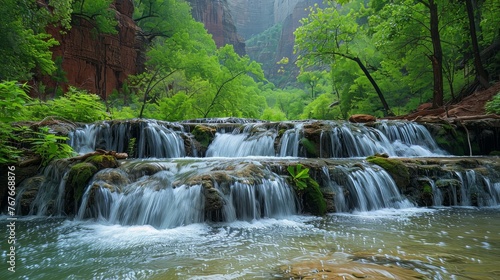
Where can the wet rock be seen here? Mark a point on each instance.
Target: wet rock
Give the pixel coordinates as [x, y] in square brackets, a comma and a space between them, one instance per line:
[398, 171]
[31, 187]
[333, 268]
[102, 161]
[362, 118]
[78, 178]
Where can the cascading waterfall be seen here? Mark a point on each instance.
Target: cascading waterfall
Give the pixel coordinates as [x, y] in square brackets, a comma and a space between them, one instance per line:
[49, 186]
[400, 139]
[252, 141]
[410, 139]
[267, 199]
[150, 138]
[163, 201]
[289, 144]
[171, 191]
[364, 188]
[476, 190]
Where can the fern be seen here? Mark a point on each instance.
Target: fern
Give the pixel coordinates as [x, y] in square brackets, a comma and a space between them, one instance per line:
[50, 146]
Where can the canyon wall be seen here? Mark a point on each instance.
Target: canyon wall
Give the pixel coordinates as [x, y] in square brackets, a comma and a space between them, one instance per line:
[98, 63]
[218, 21]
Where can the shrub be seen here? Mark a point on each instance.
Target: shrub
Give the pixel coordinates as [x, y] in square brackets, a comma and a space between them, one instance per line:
[50, 146]
[13, 99]
[76, 105]
[493, 106]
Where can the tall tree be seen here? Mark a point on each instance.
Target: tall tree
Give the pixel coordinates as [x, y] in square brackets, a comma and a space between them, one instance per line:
[437, 53]
[326, 36]
[481, 74]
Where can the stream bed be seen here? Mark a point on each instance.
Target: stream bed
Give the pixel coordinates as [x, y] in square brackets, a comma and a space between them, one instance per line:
[435, 243]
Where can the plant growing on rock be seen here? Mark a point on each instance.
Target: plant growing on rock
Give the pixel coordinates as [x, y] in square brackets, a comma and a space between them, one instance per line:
[50, 146]
[308, 189]
[300, 177]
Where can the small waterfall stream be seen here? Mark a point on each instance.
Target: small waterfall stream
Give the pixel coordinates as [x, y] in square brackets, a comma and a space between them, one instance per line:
[243, 174]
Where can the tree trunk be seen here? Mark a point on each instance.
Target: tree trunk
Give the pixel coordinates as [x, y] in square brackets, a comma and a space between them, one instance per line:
[482, 76]
[437, 56]
[387, 111]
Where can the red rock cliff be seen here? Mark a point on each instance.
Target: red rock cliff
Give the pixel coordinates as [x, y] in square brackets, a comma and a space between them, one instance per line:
[217, 19]
[98, 63]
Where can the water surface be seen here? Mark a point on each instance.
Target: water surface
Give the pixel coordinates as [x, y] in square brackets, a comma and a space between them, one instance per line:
[445, 243]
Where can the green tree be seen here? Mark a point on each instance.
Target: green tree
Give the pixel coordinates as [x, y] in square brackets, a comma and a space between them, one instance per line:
[326, 36]
[24, 45]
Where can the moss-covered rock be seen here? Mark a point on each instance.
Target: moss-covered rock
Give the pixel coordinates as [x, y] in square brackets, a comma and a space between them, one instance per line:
[312, 150]
[78, 177]
[102, 161]
[204, 134]
[396, 168]
[450, 138]
[313, 200]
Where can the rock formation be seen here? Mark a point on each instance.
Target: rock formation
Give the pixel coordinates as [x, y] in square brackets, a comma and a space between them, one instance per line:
[98, 63]
[218, 21]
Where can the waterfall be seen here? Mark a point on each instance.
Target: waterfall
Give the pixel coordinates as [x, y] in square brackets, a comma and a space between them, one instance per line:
[289, 144]
[242, 138]
[269, 198]
[147, 138]
[252, 141]
[180, 193]
[364, 188]
[475, 190]
[46, 191]
[353, 140]
[151, 200]
[244, 176]
[410, 139]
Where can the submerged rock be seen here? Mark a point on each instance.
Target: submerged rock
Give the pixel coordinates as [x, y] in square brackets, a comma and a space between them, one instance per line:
[345, 268]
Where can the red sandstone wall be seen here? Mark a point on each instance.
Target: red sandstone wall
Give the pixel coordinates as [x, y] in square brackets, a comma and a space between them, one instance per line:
[98, 63]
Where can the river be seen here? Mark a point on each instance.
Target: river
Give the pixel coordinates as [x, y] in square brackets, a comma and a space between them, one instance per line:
[438, 243]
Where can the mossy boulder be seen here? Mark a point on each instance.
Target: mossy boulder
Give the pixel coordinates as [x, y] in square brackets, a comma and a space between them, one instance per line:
[204, 135]
[102, 161]
[396, 168]
[78, 177]
[450, 138]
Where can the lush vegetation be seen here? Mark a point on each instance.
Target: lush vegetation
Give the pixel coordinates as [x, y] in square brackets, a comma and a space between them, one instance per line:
[378, 57]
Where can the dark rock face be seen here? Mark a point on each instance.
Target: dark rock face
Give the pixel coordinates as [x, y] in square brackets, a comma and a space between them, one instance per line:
[251, 17]
[100, 63]
[216, 17]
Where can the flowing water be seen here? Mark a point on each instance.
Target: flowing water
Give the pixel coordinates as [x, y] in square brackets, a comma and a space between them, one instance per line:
[232, 214]
[443, 243]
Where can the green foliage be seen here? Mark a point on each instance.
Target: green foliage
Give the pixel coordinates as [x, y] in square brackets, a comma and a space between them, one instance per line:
[300, 177]
[24, 44]
[76, 105]
[320, 108]
[13, 100]
[9, 153]
[97, 12]
[50, 146]
[493, 106]
[273, 114]
[308, 189]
